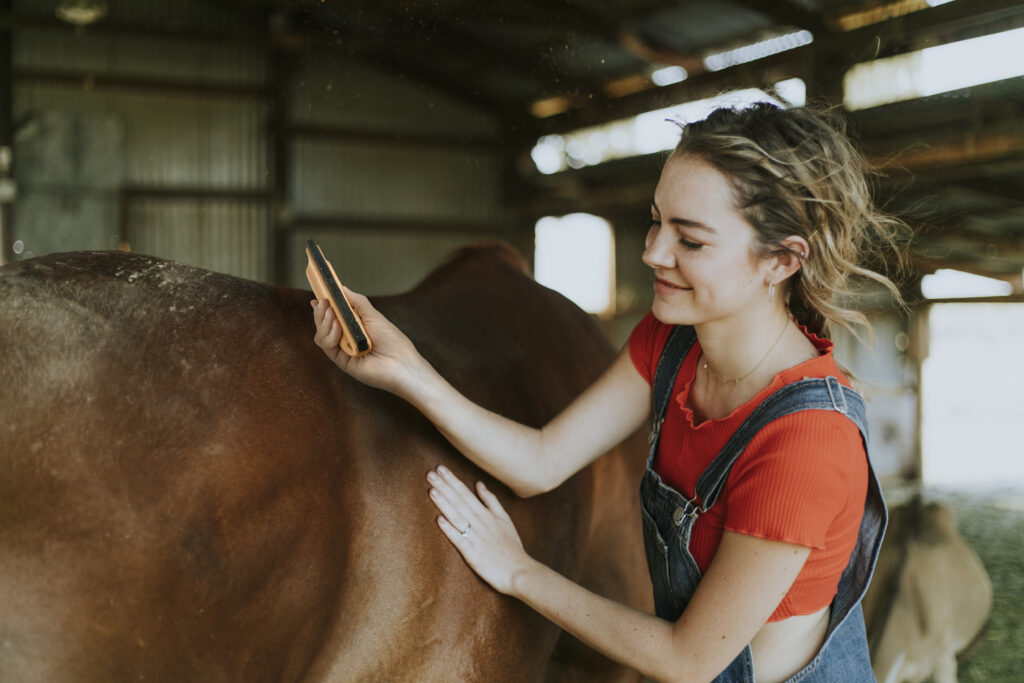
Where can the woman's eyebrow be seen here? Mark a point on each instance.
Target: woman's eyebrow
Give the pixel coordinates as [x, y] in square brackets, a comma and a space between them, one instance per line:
[684, 222]
[690, 223]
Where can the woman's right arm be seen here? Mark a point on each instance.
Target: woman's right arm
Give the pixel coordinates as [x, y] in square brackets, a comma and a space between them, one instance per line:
[528, 460]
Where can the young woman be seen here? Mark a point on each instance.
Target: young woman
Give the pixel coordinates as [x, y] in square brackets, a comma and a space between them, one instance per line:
[761, 514]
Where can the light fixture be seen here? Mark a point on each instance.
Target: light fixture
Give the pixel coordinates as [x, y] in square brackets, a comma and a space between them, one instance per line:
[81, 12]
[668, 75]
[759, 50]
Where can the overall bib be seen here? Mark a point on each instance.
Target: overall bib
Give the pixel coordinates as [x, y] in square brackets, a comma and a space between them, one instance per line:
[669, 516]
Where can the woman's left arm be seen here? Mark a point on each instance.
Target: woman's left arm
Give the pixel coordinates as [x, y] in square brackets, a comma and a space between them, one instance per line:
[744, 584]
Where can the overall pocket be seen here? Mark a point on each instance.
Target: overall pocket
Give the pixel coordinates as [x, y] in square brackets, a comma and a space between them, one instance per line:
[657, 564]
[684, 574]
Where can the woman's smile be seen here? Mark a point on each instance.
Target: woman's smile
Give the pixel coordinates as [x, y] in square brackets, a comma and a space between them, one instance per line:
[663, 287]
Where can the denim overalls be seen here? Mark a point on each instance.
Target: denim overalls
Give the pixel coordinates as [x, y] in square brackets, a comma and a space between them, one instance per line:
[668, 519]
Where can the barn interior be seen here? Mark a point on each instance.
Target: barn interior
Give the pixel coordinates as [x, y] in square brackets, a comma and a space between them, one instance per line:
[224, 133]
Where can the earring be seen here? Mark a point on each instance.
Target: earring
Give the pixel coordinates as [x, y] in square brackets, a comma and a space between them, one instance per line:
[771, 292]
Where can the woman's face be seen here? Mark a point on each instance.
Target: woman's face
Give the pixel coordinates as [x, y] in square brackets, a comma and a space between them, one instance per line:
[701, 247]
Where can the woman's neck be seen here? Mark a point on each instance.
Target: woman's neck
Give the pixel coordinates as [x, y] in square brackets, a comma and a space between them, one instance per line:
[737, 348]
[739, 361]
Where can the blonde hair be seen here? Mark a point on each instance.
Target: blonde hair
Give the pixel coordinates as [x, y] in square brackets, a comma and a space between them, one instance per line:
[794, 172]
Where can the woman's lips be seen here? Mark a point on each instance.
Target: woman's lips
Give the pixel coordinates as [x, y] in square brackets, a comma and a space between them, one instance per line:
[666, 287]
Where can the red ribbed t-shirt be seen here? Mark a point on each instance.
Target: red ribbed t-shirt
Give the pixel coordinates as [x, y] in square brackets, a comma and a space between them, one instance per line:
[802, 479]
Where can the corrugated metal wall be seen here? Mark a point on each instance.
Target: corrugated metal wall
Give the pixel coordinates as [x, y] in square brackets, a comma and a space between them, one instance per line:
[353, 192]
[332, 90]
[187, 149]
[360, 179]
[174, 144]
[376, 262]
[226, 236]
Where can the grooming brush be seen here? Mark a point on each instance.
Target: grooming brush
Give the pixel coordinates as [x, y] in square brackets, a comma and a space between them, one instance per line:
[324, 281]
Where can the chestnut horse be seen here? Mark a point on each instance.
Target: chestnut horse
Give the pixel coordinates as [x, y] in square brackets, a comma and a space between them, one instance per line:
[191, 491]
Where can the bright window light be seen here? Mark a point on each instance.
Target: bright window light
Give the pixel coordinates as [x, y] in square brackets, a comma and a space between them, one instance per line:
[955, 284]
[549, 154]
[644, 134]
[758, 50]
[793, 91]
[668, 75]
[935, 70]
[575, 255]
[970, 393]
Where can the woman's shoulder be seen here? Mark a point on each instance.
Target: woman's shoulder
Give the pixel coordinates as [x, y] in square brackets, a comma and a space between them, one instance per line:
[817, 452]
[822, 365]
[810, 433]
[808, 438]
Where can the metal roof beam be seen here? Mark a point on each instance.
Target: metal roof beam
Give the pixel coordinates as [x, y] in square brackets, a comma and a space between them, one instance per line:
[758, 74]
[1004, 191]
[891, 37]
[972, 147]
[787, 14]
[485, 55]
[242, 34]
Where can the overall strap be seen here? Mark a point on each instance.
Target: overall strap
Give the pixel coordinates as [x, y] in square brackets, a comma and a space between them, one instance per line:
[680, 341]
[807, 394]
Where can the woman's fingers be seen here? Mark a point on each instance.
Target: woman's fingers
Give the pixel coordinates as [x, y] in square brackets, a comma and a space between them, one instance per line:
[482, 533]
[491, 501]
[328, 331]
[319, 310]
[451, 507]
[459, 504]
[359, 302]
[454, 535]
[458, 489]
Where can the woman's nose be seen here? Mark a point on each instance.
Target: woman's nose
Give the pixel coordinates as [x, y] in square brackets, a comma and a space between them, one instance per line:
[658, 250]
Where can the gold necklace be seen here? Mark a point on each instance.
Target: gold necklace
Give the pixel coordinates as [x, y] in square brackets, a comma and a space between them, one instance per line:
[756, 366]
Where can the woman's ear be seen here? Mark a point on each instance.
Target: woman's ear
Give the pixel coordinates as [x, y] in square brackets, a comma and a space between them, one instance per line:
[790, 257]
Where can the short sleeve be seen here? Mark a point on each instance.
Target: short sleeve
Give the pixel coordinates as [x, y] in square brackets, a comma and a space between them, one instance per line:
[646, 342]
[796, 478]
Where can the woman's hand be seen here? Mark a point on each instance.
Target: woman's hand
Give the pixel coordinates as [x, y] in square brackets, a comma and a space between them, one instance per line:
[479, 528]
[393, 359]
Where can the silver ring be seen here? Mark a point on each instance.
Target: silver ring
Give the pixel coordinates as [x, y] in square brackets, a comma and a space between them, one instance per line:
[465, 532]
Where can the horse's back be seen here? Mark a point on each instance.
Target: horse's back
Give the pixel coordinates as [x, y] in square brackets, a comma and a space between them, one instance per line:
[192, 491]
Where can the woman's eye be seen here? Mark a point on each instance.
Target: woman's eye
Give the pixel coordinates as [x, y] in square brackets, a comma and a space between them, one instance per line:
[690, 245]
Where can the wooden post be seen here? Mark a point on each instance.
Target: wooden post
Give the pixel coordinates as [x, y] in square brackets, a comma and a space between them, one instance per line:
[279, 148]
[6, 137]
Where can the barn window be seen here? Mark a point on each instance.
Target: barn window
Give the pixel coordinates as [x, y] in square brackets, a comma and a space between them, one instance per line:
[575, 255]
[970, 394]
[971, 431]
[935, 70]
[955, 284]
